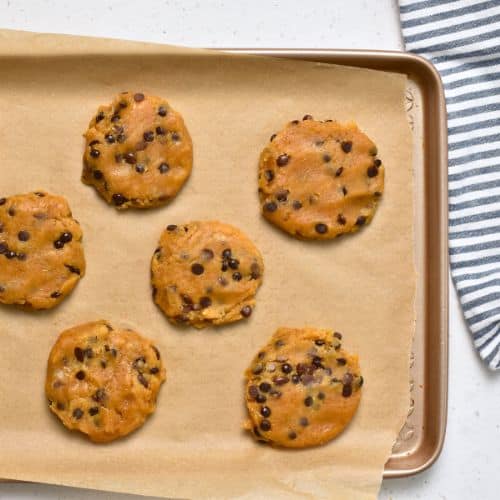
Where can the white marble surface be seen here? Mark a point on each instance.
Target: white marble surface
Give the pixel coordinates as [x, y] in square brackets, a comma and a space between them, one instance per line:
[468, 466]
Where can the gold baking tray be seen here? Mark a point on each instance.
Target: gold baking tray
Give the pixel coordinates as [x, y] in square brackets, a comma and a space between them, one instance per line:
[421, 438]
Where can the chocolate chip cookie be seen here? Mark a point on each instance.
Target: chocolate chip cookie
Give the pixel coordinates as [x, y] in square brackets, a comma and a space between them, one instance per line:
[138, 151]
[302, 388]
[205, 273]
[103, 381]
[41, 254]
[318, 180]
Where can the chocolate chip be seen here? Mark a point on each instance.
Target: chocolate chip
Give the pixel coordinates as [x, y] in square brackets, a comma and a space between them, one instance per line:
[77, 413]
[119, 199]
[138, 97]
[265, 386]
[93, 411]
[346, 146]
[257, 369]
[78, 354]
[265, 425]
[80, 375]
[187, 300]
[341, 361]
[171, 227]
[175, 136]
[3, 201]
[339, 171]
[337, 335]
[319, 342]
[123, 104]
[60, 406]
[327, 158]
[99, 117]
[341, 219]
[321, 228]
[121, 138]
[130, 158]
[377, 194]
[149, 136]
[260, 398]
[197, 269]
[372, 171]
[292, 435]
[307, 117]
[12, 211]
[377, 162]
[282, 195]
[66, 237]
[295, 378]
[286, 368]
[346, 390]
[10, 254]
[23, 235]
[321, 395]
[142, 380]
[294, 122]
[308, 401]
[360, 221]
[272, 138]
[93, 143]
[246, 311]
[99, 396]
[344, 190]
[255, 271]
[282, 160]
[160, 131]
[205, 302]
[103, 364]
[55, 295]
[110, 139]
[233, 263]
[207, 254]
[163, 168]
[279, 343]
[139, 169]
[95, 153]
[270, 206]
[303, 422]
[265, 411]
[97, 175]
[269, 175]
[162, 111]
[237, 276]
[281, 380]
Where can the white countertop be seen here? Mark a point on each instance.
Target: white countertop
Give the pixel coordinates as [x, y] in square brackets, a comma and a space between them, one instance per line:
[468, 466]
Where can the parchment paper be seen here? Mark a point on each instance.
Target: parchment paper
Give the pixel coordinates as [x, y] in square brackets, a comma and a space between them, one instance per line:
[361, 285]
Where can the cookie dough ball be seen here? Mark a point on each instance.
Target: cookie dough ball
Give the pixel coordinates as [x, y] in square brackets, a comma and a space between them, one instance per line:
[302, 388]
[318, 180]
[205, 273]
[41, 253]
[103, 381]
[138, 151]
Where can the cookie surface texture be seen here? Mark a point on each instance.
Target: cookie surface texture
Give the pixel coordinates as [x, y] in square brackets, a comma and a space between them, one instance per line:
[318, 180]
[138, 152]
[41, 254]
[103, 381]
[205, 273]
[302, 388]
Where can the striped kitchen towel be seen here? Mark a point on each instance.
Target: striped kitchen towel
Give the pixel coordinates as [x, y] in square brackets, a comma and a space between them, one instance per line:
[462, 39]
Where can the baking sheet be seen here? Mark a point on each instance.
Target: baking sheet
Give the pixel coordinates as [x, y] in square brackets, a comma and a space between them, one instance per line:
[362, 285]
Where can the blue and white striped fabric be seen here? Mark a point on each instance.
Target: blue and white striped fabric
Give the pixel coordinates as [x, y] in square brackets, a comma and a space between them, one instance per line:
[462, 39]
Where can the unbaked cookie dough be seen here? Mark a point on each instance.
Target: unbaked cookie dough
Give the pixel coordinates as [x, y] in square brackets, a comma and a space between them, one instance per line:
[138, 151]
[205, 273]
[103, 381]
[318, 180]
[302, 388]
[41, 253]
